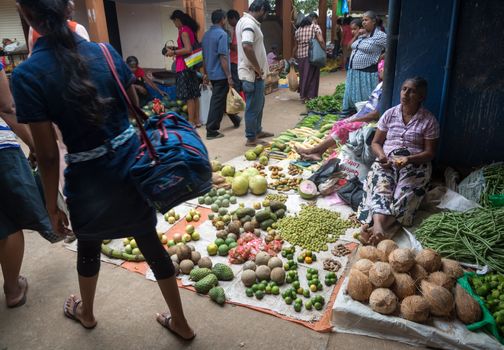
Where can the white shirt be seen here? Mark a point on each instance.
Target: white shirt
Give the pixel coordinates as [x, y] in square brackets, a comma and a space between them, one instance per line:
[79, 30]
[248, 31]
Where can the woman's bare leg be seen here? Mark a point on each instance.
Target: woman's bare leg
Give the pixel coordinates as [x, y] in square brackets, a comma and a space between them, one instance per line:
[11, 258]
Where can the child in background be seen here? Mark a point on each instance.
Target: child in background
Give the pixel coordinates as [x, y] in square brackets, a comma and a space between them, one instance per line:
[141, 81]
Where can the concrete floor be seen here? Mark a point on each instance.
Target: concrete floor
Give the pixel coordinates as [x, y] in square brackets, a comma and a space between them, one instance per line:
[126, 303]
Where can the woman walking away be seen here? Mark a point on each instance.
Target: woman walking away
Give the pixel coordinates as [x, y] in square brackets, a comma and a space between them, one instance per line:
[187, 78]
[66, 81]
[21, 206]
[309, 75]
[404, 144]
[368, 44]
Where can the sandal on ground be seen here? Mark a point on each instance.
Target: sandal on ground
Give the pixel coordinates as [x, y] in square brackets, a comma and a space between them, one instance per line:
[164, 320]
[72, 315]
[22, 301]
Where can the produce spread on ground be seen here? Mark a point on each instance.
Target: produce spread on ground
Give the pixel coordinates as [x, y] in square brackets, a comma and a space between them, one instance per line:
[265, 238]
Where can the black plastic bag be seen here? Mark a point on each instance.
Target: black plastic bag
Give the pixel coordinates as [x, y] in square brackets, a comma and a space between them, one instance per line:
[326, 171]
[352, 192]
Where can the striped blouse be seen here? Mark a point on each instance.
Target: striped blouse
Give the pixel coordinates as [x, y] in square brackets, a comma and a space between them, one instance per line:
[7, 137]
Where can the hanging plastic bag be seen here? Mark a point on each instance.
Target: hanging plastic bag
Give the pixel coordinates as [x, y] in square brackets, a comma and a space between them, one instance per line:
[234, 102]
[293, 79]
[204, 103]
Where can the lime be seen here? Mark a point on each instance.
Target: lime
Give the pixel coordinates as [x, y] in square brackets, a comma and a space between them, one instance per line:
[133, 244]
[275, 290]
[249, 292]
[300, 291]
[259, 294]
[306, 293]
[188, 217]
[308, 305]
[313, 287]
[288, 279]
[261, 287]
[255, 287]
[211, 216]
[209, 201]
[223, 250]
[219, 242]
[201, 200]
[215, 208]
[318, 306]
[298, 301]
[288, 300]
[300, 258]
[320, 286]
[296, 285]
[136, 251]
[298, 307]
[268, 289]
[128, 249]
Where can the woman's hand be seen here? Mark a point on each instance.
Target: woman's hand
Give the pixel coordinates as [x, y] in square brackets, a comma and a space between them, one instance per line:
[59, 222]
[401, 162]
[385, 162]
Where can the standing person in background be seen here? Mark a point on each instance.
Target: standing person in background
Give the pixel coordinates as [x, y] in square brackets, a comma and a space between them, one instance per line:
[233, 17]
[253, 69]
[338, 35]
[21, 206]
[309, 75]
[66, 82]
[187, 78]
[368, 45]
[346, 40]
[218, 71]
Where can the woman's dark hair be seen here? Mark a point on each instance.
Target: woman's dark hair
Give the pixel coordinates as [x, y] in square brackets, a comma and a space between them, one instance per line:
[218, 16]
[420, 83]
[339, 21]
[357, 22]
[259, 5]
[307, 21]
[347, 20]
[233, 14]
[79, 90]
[313, 16]
[132, 60]
[186, 20]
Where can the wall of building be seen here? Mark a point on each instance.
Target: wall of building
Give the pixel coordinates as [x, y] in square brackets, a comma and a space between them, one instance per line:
[80, 14]
[145, 28]
[10, 22]
[212, 5]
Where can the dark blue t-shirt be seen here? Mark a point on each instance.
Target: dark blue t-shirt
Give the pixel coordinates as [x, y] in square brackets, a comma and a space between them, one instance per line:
[38, 85]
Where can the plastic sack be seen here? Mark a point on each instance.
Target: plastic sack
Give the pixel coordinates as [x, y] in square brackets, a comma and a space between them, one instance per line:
[293, 79]
[204, 103]
[472, 186]
[342, 129]
[234, 102]
[352, 165]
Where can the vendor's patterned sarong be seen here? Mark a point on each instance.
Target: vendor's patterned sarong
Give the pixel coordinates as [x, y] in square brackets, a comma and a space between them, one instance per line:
[396, 192]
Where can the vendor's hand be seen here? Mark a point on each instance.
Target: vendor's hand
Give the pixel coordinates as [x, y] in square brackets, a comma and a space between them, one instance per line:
[401, 162]
[361, 31]
[385, 162]
[59, 222]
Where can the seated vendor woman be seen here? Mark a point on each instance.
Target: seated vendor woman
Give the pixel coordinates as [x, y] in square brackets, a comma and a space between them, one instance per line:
[405, 143]
[342, 128]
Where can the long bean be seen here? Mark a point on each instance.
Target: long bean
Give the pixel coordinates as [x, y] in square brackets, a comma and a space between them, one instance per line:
[494, 182]
[476, 236]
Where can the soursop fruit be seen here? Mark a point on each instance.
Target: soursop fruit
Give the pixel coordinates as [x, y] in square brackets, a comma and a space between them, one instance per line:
[217, 294]
[199, 273]
[206, 283]
[223, 272]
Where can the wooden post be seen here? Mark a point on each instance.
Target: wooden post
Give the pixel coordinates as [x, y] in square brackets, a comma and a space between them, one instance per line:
[240, 6]
[287, 30]
[196, 9]
[98, 31]
[323, 17]
[334, 18]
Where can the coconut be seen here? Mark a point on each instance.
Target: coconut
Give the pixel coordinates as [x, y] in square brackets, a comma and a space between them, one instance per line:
[387, 246]
[401, 259]
[468, 310]
[383, 301]
[359, 288]
[248, 227]
[418, 273]
[263, 272]
[186, 266]
[452, 268]
[171, 251]
[278, 275]
[233, 236]
[249, 265]
[440, 299]
[307, 189]
[415, 308]
[441, 279]
[248, 278]
[174, 258]
[176, 268]
[183, 252]
[363, 265]
[205, 262]
[429, 260]
[234, 227]
[195, 257]
[274, 262]
[403, 286]
[380, 275]
[262, 258]
[370, 253]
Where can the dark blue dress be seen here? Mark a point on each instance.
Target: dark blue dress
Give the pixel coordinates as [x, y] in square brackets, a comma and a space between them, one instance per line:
[102, 199]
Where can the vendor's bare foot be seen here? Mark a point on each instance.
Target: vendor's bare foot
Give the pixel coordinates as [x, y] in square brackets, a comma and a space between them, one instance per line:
[73, 310]
[16, 296]
[180, 329]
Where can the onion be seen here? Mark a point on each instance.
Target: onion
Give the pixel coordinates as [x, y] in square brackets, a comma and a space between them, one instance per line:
[429, 260]
[363, 265]
[383, 300]
[404, 286]
[380, 275]
[387, 246]
[440, 299]
[359, 287]
[415, 308]
[401, 259]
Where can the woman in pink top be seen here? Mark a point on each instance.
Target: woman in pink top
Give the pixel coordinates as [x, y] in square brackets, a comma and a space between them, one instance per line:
[187, 78]
[405, 144]
[346, 39]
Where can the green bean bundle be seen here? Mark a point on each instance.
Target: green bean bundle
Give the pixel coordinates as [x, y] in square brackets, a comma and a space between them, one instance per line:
[494, 182]
[476, 236]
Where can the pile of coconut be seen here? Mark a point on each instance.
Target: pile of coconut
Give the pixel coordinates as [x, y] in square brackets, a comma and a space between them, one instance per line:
[414, 286]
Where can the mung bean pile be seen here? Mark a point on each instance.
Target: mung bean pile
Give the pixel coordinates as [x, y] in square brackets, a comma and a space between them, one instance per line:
[476, 236]
[494, 182]
[313, 228]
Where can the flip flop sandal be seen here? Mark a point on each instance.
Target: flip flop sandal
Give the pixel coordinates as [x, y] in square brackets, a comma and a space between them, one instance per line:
[74, 310]
[166, 324]
[23, 299]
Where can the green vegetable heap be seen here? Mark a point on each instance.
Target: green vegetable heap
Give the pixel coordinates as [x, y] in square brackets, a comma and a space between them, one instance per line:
[490, 288]
[476, 236]
[494, 183]
[328, 103]
[313, 228]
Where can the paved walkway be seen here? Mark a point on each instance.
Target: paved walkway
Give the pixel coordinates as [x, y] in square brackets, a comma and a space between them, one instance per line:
[126, 303]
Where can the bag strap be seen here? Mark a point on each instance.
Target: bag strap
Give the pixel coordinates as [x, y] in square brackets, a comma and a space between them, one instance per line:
[138, 114]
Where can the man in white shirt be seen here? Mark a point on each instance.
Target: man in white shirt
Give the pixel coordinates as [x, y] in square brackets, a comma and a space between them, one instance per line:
[253, 69]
